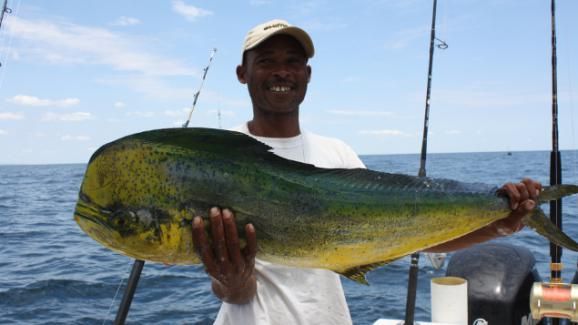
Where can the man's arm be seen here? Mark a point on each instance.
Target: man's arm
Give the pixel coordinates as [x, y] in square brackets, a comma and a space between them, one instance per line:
[231, 268]
[522, 196]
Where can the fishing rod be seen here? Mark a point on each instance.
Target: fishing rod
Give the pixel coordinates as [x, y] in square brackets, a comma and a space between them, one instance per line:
[555, 161]
[129, 292]
[6, 10]
[196, 96]
[414, 264]
[555, 165]
[555, 299]
[138, 265]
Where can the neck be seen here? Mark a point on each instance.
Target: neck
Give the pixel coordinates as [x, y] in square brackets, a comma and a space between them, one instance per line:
[275, 126]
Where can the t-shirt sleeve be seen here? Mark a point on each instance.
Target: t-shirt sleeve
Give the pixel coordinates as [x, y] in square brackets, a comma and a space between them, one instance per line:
[350, 158]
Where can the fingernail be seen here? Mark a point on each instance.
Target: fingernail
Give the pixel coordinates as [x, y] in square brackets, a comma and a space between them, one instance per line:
[515, 206]
[537, 192]
[215, 211]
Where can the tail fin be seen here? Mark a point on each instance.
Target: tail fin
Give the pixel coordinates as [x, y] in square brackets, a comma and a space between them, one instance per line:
[554, 192]
[542, 224]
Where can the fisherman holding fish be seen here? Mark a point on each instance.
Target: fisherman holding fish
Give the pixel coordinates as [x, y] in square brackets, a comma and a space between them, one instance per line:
[275, 69]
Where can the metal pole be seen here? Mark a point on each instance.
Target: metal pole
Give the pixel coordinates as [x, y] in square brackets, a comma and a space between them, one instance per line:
[428, 93]
[555, 165]
[414, 266]
[129, 292]
[4, 10]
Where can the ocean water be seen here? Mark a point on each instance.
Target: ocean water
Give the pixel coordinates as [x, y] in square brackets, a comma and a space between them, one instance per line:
[52, 273]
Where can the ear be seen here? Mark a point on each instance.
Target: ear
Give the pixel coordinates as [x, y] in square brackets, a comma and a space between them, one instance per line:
[308, 73]
[241, 70]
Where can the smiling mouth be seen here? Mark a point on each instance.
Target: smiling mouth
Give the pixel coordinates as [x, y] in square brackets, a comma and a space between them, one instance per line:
[280, 89]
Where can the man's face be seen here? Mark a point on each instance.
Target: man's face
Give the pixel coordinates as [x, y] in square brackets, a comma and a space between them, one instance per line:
[277, 74]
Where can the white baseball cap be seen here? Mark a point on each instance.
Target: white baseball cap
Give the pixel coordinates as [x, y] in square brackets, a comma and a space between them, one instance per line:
[262, 32]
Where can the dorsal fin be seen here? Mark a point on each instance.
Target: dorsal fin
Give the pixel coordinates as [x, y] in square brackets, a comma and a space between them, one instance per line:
[206, 139]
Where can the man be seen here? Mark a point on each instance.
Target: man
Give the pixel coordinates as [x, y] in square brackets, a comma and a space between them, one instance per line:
[275, 68]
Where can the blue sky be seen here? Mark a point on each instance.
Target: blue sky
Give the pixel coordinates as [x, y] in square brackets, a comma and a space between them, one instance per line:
[78, 74]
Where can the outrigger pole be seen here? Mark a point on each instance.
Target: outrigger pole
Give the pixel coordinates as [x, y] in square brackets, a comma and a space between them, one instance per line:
[139, 264]
[414, 268]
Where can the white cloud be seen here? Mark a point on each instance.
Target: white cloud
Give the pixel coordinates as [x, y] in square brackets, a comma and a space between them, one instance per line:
[26, 100]
[190, 12]
[67, 43]
[2, 132]
[119, 104]
[69, 137]
[10, 116]
[358, 113]
[385, 132]
[453, 132]
[67, 117]
[126, 21]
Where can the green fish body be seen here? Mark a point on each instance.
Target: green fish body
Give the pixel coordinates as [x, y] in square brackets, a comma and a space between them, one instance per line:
[141, 192]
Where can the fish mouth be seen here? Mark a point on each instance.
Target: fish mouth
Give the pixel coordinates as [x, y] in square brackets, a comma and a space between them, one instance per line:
[87, 212]
[82, 218]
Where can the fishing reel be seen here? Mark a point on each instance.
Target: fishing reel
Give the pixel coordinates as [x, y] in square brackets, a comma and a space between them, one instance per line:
[555, 300]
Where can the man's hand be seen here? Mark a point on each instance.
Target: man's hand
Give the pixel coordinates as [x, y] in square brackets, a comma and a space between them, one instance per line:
[523, 198]
[231, 267]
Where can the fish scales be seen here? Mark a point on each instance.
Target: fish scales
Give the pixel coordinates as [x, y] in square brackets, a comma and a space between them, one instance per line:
[140, 194]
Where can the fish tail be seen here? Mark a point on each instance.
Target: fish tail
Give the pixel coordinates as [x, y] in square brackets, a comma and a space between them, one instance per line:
[555, 192]
[542, 224]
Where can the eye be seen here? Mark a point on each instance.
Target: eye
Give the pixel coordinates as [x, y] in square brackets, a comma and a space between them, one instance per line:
[264, 61]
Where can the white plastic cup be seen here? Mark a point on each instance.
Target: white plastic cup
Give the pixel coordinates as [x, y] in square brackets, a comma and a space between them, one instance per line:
[449, 300]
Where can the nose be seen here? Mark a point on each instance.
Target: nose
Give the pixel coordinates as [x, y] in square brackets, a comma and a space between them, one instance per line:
[281, 71]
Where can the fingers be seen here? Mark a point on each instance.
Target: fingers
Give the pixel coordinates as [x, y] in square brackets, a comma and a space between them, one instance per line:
[250, 250]
[513, 194]
[222, 254]
[534, 188]
[523, 198]
[233, 246]
[218, 233]
[202, 246]
[519, 193]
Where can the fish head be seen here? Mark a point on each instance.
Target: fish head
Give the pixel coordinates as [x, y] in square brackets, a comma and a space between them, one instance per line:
[119, 207]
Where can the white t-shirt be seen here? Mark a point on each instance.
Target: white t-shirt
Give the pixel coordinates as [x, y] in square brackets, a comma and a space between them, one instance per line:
[287, 295]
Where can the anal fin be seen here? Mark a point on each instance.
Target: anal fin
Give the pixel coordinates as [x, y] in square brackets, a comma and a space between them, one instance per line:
[357, 273]
[542, 224]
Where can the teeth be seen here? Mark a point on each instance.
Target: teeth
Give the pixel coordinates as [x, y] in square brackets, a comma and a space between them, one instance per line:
[280, 88]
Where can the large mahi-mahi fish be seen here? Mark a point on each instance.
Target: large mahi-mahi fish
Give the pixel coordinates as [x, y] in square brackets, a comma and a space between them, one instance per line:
[141, 192]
